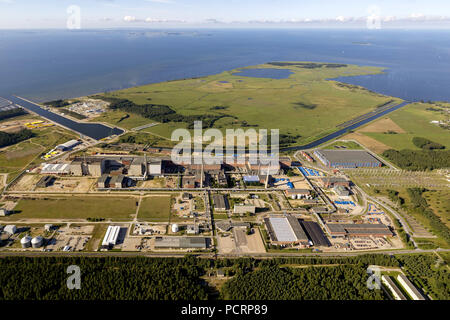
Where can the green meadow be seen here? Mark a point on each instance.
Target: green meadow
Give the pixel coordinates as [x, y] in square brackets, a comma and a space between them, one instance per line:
[415, 120]
[305, 105]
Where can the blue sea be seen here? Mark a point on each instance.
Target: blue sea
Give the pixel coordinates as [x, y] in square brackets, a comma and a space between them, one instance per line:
[53, 64]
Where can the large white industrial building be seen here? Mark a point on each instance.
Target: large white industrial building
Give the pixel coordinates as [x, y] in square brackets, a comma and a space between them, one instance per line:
[111, 236]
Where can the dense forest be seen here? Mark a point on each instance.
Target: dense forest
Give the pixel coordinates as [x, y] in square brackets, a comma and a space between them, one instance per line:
[57, 103]
[12, 113]
[166, 278]
[162, 113]
[101, 278]
[7, 139]
[428, 272]
[419, 160]
[346, 282]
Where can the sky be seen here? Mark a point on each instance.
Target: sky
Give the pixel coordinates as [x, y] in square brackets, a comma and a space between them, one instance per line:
[42, 14]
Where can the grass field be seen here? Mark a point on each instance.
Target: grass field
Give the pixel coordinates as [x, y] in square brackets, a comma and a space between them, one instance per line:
[155, 209]
[114, 208]
[306, 104]
[15, 158]
[439, 201]
[414, 120]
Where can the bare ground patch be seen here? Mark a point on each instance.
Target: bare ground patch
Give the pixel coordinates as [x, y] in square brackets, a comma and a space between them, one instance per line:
[368, 142]
[382, 125]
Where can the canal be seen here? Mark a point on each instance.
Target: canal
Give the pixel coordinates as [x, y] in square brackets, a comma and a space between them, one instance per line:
[95, 131]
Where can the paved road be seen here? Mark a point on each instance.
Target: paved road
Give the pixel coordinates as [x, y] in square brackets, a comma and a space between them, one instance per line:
[211, 255]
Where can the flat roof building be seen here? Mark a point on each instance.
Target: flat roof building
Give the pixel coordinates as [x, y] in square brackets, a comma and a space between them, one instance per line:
[341, 191]
[358, 230]
[4, 212]
[220, 202]
[56, 168]
[104, 181]
[315, 233]
[111, 236]
[328, 182]
[347, 159]
[244, 208]
[387, 281]
[285, 229]
[10, 229]
[117, 181]
[409, 287]
[181, 243]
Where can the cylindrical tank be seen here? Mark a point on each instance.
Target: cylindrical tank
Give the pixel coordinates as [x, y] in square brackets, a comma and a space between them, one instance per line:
[175, 228]
[25, 242]
[37, 242]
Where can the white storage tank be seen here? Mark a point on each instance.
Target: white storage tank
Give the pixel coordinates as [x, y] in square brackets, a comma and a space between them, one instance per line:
[25, 242]
[37, 242]
[175, 228]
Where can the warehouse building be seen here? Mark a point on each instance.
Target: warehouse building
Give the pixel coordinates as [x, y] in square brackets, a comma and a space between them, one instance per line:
[68, 145]
[10, 229]
[358, 230]
[4, 212]
[137, 167]
[111, 237]
[181, 243]
[330, 182]
[155, 167]
[117, 182]
[347, 159]
[88, 166]
[104, 181]
[315, 233]
[285, 230]
[220, 202]
[341, 191]
[298, 193]
[410, 288]
[45, 182]
[387, 281]
[244, 208]
[56, 168]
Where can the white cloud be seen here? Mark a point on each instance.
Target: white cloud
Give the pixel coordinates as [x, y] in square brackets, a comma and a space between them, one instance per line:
[129, 19]
[161, 1]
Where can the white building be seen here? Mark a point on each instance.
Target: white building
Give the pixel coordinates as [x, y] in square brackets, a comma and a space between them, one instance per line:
[111, 236]
[387, 281]
[409, 287]
[10, 229]
[68, 145]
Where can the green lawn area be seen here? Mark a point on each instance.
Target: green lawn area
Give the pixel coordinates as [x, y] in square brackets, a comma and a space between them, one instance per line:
[220, 216]
[15, 158]
[415, 120]
[439, 201]
[115, 208]
[305, 104]
[155, 209]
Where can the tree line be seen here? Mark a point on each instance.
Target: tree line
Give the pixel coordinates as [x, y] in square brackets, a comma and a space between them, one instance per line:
[162, 113]
[419, 160]
[419, 204]
[12, 113]
[7, 139]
